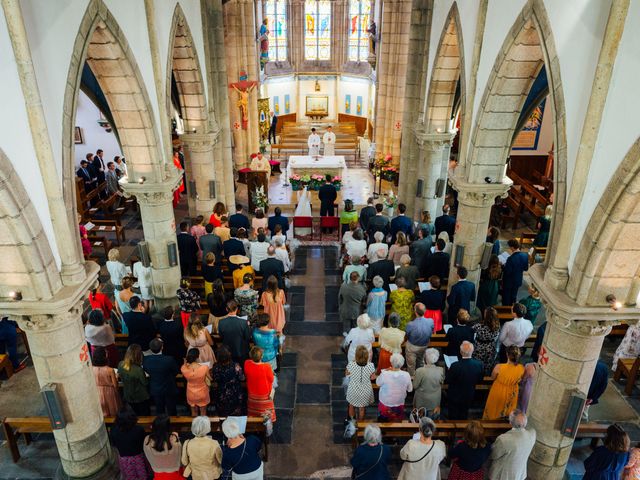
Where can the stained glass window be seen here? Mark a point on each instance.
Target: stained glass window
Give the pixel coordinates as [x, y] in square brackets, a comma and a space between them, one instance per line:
[359, 11]
[276, 15]
[317, 30]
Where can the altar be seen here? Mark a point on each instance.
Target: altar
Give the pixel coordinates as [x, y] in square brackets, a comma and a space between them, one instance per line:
[307, 165]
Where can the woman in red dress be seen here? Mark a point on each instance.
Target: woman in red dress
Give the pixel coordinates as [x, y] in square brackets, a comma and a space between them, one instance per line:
[99, 300]
[180, 189]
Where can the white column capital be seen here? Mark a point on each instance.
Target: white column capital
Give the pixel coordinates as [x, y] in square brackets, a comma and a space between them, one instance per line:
[480, 194]
[433, 141]
[154, 193]
[199, 141]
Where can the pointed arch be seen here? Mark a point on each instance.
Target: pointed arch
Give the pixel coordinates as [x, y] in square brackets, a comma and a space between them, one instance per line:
[183, 64]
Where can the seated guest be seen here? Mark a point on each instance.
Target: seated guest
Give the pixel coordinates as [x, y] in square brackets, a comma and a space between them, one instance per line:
[223, 230]
[197, 376]
[503, 396]
[463, 292]
[259, 251]
[162, 371]
[402, 300]
[239, 219]
[210, 242]
[391, 339]
[246, 297]
[469, 455]
[198, 337]
[211, 272]
[278, 219]
[420, 248]
[359, 391]
[515, 332]
[363, 335]
[394, 385]
[348, 235]
[217, 302]
[459, 332]
[163, 449]
[462, 378]
[427, 384]
[487, 331]
[267, 339]
[273, 300]
[354, 266]
[139, 324]
[408, 272]
[259, 385]
[383, 268]
[241, 269]
[235, 333]
[419, 331]
[107, 383]
[271, 266]
[240, 454]
[422, 456]
[376, 304]
[350, 297]
[347, 216]
[227, 377]
[282, 254]
[202, 455]
[434, 300]
[188, 299]
[99, 333]
[357, 246]
[378, 223]
[171, 332]
[187, 251]
[371, 459]
[278, 235]
[232, 247]
[259, 222]
[608, 460]
[511, 450]
[128, 438]
[437, 263]
[373, 252]
[399, 248]
[135, 384]
[401, 223]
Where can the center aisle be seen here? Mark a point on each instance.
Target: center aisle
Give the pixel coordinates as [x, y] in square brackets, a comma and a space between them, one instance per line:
[303, 438]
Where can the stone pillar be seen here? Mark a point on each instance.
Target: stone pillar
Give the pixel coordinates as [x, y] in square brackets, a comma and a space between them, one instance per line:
[201, 169]
[433, 147]
[472, 222]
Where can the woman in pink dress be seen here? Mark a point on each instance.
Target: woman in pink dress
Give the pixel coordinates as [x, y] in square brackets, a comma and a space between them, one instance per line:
[198, 230]
[198, 380]
[198, 337]
[84, 239]
[273, 301]
[107, 383]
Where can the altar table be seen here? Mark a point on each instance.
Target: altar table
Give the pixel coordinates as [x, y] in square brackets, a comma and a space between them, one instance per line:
[307, 165]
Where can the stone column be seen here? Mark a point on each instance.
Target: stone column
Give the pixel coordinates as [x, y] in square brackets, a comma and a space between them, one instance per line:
[201, 170]
[433, 147]
[472, 222]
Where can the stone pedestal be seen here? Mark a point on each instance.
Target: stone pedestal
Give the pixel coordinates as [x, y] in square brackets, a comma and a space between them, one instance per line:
[432, 149]
[201, 169]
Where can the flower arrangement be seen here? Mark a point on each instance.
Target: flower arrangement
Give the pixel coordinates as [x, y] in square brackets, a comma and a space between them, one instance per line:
[389, 173]
[313, 181]
[260, 199]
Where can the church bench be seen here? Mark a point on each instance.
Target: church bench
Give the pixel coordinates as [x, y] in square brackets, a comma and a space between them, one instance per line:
[99, 241]
[629, 368]
[25, 426]
[109, 226]
[438, 340]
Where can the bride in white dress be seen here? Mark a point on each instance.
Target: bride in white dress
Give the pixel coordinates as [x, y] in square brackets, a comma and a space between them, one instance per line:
[303, 210]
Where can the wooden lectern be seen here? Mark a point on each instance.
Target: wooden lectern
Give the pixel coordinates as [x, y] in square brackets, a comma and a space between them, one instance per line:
[255, 180]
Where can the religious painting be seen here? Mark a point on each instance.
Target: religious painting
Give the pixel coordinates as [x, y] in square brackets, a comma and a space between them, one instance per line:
[359, 105]
[527, 138]
[317, 29]
[276, 105]
[264, 120]
[317, 105]
[276, 15]
[78, 136]
[347, 103]
[359, 11]
[287, 103]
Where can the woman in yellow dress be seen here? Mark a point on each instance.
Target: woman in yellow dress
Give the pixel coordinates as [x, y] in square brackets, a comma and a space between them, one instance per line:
[503, 396]
[402, 301]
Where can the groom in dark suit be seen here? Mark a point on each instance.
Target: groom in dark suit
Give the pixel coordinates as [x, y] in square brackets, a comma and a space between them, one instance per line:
[327, 196]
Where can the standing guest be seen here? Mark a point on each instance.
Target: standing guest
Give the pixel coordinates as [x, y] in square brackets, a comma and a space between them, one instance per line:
[278, 219]
[435, 301]
[282, 254]
[121, 166]
[347, 216]
[100, 301]
[407, 271]
[223, 231]
[85, 172]
[259, 385]
[171, 332]
[239, 219]
[515, 332]
[107, 383]
[139, 324]
[376, 304]
[607, 461]
[217, 302]
[273, 126]
[427, 384]
[401, 223]
[278, 235]
[241, 269]
[187, 251]
[398, 249]
[268, 340]
[437, 263]
[210, 242]
[117, 270]
[189, 301]
[233, 246]
[128, 438]
[202, 455]
[84, 239]
[198, 337]
[544, 227]
[535, 350]
[228, 392]
[210, 273]
[354, 266]
[422, 456]
[383, 268]
[420, 248]
[377, 245]
[462, 378]
[515, 266]
[243, 236]
[448, 243]
[348, 235]
[394, 385]
[111, 179]
[511, 450]
[489, 284]
[235, 333]
[97, 162]
[532, 303]
[526, 385]
[145, 283]
[246, 296]
[426, 224]
[259, 250]
[361, 335]
[122, 297]
[402, 302]
[378, 223]
[503, 395]
[198, 229]
[366, 213]
[197, 376]
[419, 331]
[219, 210]
[445, 223]
[350, 298]
[360, 392]
[99, 334]
[241, 455]
[463, 292]
[259, 222]
[271, 266]
[391, 339]
[371, 460]
[597, 387]
[470, 454]
[162, 371]
[357, 246]
[493, 235]
[273, 300]
[486, 336]
[327, 196]
[135, 384]
[163, 450]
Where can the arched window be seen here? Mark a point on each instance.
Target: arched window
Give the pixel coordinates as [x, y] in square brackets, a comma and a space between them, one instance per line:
[317, 30]
[359, 11]
[276, 14]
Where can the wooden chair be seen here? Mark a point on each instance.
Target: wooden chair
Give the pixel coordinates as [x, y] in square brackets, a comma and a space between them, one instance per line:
[303, 222]
[332, 223]
[627, 367]
[6, 366]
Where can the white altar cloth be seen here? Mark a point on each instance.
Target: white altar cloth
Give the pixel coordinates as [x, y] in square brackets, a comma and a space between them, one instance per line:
[304, 164]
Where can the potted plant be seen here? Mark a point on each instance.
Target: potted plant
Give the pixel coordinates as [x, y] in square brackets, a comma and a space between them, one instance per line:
[337, 182]
[260, 199]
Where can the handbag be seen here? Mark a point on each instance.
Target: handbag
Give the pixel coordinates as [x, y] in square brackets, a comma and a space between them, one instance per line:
[187, 468]
[422, 457]
[354, 475]
[416, 414]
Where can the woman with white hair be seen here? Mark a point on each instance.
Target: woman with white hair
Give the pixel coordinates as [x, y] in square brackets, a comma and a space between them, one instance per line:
[362, 334]
[394, 385]
[357, 246]
[376, 303]
[240, 454]
[427, 384]
[117, 270]
[201, 455]
[371, 459]
[422, 457]
[372, 252]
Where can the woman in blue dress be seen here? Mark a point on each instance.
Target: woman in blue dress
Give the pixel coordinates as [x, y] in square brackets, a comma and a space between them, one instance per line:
[376, 304]
[608, 460]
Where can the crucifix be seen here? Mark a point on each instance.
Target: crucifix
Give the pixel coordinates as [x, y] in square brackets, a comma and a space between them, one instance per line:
[243, 87]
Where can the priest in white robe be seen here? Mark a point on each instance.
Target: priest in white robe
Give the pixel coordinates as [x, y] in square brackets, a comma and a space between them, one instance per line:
[314, 143]
[329, 141]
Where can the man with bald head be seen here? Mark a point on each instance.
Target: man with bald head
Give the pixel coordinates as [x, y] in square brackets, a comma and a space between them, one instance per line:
[272, 266]
[462, 378]
[511, 450]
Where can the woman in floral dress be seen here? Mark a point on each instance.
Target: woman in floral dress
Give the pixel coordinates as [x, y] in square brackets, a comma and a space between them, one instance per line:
[246, 297]
[487, 333]
[630, 345]
[228, 394]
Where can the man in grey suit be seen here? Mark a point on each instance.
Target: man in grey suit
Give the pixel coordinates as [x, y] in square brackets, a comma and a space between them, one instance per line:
[511, 450]
[420, 248]
[350, 298]
[210, 242]
[111, 178]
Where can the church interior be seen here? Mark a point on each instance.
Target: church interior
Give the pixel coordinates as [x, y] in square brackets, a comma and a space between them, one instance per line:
[319, 239]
